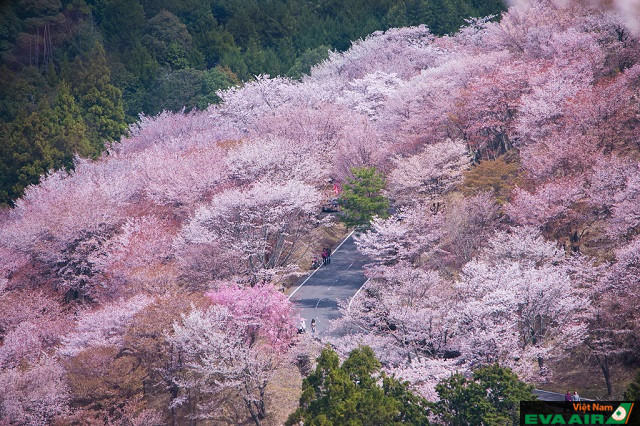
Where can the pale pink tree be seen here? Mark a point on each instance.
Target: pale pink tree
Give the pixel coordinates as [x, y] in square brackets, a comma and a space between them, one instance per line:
[368, 95]
[429, 235]
[402, 236]
[32, 322]
[104, 326]
[429, 174]
[130, 261]
[527, 27]
[264, 222]
[234, 346]
[200, 265]
[465, 227]
[176, 178]
[60, 222]
[551, 207]
[27, 341]
[171, 131]
[403, 50]
[246, 106]
[314, 129]
[487, 105]
[423, 109]
[627, 9]
[273, 159]
[425, 373]
[613, 322]
[517, 301]
[401, 306]
[35, 395]
[612, 325]
[608, 180]
[12, 261]
[542, 111]
[625, 218]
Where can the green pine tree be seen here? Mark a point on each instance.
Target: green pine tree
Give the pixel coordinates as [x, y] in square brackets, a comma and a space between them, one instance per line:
[491, 397]
[100, 101]
[28, 152]
[70, 134]
[307, 60]
[350, 394]
[362, 196]
[633, 390]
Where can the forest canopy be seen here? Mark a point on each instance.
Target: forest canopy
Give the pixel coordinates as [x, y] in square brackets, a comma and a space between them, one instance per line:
[74, 73]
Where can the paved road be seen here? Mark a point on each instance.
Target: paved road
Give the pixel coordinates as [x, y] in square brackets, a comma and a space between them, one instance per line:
[548, 396]
[552, 396]
[319, 294]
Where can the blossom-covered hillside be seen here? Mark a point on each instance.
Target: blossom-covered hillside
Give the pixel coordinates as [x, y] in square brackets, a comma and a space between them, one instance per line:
[142, 287]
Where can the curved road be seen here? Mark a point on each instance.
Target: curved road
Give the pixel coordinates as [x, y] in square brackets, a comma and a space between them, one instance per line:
[318, 294]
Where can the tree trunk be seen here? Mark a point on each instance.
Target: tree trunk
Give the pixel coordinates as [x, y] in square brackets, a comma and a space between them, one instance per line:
[192, 408]
[252, 411]
[604, 365]
[174, 390]
[262, 409]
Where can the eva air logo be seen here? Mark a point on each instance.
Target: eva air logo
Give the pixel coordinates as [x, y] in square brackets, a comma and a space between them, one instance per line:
[583, 413]
[621, 415]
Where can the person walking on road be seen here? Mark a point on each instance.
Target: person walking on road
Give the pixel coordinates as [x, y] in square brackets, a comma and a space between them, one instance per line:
[325, 256]
[328, 256]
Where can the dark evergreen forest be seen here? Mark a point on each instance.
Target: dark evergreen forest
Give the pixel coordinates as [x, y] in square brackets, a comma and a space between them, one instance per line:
[75, 73]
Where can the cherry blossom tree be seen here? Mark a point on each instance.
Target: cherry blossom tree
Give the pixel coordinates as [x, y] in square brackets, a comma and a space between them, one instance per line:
[402, 236]
[32, 322]
[613, 323]
[517, 301]
[381, 51]
[487, 106]
[60, 222]
[425, 234]
[626, 8]
[625, 217]
[369, 94]
[177, 132]
[465, 227]
[425, 373]
[272, 159]
[179, 178]
[246, 106]
[430, 173]
[235, 345]
[400, 313]
[131, 261]
[102, 327]
[264, 222]
[35, 395]
[423, 111]
[267, 314]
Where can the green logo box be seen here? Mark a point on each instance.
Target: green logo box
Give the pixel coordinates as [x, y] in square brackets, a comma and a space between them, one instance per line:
[580, 413]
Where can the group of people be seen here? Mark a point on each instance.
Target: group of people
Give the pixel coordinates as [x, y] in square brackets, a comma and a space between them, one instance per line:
[303, 327]
[568, 397]
[326, 258]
